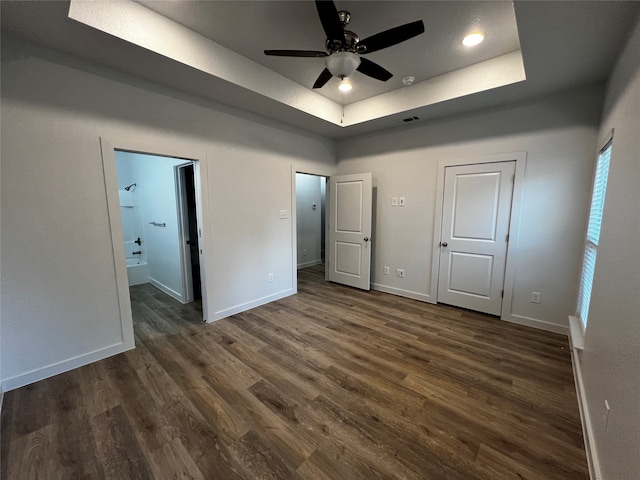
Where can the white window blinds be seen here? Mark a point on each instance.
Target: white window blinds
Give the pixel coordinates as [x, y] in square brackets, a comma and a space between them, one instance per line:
[593, 233]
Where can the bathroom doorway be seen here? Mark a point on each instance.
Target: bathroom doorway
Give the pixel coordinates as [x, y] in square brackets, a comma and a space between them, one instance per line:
[158, 206]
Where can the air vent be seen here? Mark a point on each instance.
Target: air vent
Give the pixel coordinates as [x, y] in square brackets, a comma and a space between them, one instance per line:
[410, 119]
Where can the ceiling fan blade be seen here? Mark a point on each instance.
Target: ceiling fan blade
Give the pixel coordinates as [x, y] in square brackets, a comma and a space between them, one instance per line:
[390, 37]
[295, 53]
[330, 20]
[322, 80]
[373, 70]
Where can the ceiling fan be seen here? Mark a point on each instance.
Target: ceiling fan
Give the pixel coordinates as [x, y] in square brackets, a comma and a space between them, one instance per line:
[344, 48]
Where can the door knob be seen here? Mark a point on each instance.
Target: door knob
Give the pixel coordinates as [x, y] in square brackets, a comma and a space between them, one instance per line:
[366, 239]
[444, 244]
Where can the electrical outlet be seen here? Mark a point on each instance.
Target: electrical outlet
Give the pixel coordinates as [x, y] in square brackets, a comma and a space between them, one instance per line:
[400, 273]
[386, 270]
[270, 278]
[536, 297]
[304, 252]
[605, 414]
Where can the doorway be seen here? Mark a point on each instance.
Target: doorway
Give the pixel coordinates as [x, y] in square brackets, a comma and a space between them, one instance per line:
[158, 210]
[345, 237]
[310, 220]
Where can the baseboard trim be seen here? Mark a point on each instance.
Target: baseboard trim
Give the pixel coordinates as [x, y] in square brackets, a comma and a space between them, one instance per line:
[587, 427]
[227, 312]
[165, 289]
[63, 366]
[402, 293]
[535, 323]
[309, 264]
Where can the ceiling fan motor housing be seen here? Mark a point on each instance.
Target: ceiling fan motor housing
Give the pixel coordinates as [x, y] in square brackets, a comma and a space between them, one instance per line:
[348, 43]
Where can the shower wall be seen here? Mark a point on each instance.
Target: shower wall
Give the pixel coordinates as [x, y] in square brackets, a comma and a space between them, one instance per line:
[132, 228]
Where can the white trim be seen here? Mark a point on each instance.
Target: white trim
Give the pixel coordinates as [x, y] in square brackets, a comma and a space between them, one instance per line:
[606, 139]
[310, 263]
[403, 293]
[576, 333]
[169, 291]
[536, 323]
[64, 366]
[203, 216]
[520, 158]
[294, 230]
[183, 232]
[587, 427]
[117, 247]
[227, 312]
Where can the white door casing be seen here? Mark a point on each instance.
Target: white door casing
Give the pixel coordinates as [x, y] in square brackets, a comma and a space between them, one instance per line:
[350, 216]
[474, 237]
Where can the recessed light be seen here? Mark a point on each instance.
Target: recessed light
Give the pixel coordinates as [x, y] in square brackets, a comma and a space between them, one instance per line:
[345, 85]
[473, 39]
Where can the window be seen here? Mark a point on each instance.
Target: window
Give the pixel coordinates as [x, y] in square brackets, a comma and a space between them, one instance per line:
[593, 232]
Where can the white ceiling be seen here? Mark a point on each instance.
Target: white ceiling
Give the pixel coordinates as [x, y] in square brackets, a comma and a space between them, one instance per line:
[249, 27]
[563, 44]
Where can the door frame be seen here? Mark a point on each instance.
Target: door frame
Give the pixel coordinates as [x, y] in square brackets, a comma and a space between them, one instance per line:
[199, 159]
[520, 159]
[183, 231]
[294, 223]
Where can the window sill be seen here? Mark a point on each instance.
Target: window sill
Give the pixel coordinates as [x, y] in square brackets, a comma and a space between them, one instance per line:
[576, 335]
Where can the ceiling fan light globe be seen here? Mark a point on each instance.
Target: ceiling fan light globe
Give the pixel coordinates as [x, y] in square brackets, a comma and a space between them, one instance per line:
[342, 64]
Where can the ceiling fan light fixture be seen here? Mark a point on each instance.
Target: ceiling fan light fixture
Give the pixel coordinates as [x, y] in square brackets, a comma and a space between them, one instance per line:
[473, 39]
[342, 64]
[345, 85]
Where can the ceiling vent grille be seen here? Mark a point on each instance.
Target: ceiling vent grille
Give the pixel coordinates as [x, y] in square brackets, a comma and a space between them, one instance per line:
[410, 119]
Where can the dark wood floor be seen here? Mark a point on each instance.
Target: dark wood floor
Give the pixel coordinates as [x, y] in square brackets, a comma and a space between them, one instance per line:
[332, 383]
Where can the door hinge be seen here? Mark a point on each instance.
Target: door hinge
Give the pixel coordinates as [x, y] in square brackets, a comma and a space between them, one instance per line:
[507, 237]
[502, 294]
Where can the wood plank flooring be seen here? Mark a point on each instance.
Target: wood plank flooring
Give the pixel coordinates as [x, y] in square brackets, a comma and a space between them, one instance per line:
[332, 383]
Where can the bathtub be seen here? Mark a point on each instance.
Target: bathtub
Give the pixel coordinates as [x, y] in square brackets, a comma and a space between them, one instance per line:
[137, 271]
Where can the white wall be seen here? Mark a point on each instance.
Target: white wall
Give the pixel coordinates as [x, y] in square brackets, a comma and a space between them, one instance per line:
[559, 135]
[308, 219]
[59, 300]
[611, 360]
[155, 185]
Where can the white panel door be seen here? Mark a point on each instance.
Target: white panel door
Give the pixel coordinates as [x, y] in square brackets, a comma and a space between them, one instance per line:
[350, 207]
[473, 245]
